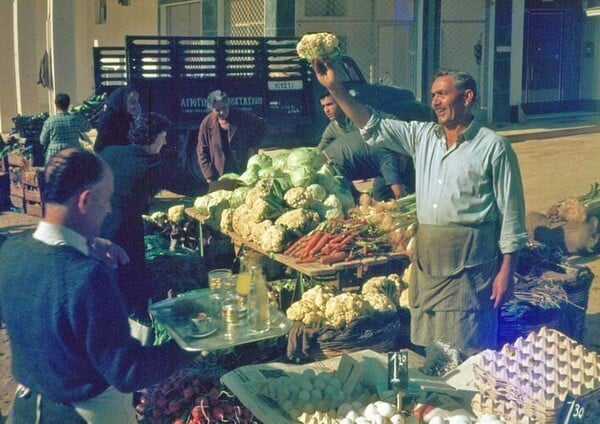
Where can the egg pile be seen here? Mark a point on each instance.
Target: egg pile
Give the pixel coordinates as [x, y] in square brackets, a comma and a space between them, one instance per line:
[527, 381]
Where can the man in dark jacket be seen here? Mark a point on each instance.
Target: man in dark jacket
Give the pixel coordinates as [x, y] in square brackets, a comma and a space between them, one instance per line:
[227, 137]
[72, 352]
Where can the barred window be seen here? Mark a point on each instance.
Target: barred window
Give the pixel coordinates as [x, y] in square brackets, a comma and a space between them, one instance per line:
[325, 8]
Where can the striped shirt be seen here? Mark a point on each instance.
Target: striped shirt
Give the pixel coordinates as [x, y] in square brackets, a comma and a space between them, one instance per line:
[61, 131]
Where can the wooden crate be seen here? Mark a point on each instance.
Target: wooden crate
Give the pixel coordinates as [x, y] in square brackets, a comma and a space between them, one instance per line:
[33, 176]
[34, 208]
[32, 193]
[17, 201]
[16, 159]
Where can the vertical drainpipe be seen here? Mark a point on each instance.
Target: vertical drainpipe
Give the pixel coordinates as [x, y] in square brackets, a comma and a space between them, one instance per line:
[16, 53]
[50, 50]
[491, 48]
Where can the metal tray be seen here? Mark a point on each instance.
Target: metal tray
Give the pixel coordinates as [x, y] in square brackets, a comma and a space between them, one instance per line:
[180, 328]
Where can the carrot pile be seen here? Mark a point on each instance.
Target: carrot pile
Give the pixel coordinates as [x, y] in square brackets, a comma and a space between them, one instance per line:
[337, 241]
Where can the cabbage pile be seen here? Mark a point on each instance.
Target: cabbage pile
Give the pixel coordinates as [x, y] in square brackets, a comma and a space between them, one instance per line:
[282, 197]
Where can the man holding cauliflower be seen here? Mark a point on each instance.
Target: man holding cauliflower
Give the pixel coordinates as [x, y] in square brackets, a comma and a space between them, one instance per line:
[470, 209]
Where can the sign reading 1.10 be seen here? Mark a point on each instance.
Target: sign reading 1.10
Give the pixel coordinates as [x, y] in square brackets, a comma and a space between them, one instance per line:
[398, 370]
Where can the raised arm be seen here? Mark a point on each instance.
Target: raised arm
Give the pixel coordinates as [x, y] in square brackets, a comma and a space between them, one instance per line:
[358, 113]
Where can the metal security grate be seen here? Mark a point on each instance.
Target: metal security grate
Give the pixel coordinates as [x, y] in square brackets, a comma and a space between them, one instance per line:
[335, 8]
[464, 40]
[244, 18]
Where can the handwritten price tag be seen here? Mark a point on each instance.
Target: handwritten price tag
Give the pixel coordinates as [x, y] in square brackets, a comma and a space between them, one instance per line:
[581, 409]
[398, 370]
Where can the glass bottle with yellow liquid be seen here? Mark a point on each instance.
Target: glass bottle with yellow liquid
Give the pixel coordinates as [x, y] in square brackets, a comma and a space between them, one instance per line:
[244, 279]
[259, 303]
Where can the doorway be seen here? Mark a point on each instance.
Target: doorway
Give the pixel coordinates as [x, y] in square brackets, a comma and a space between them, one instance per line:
[551, 63]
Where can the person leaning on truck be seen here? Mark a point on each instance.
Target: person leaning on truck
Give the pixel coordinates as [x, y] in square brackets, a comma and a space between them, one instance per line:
[470, 209]
[63, 129]
[227, 137]
[339, 124]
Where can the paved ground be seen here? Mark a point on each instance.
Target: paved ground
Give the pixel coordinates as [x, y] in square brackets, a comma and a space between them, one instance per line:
[559, 157]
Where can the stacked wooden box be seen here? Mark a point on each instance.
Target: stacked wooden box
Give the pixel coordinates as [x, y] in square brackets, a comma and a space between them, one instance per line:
[16, 167]
[32, 181]
[25, 182]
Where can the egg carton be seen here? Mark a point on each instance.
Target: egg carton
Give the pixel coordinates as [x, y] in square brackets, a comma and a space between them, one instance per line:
[531, 378]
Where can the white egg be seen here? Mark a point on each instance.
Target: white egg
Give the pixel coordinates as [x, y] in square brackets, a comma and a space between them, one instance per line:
[385, 409]
[346, 421]
[362, 420]
[398, 419]
[377, 419]
[370, 411]
[437, 420]
[486, 418]
[352, 415]
[459, 419]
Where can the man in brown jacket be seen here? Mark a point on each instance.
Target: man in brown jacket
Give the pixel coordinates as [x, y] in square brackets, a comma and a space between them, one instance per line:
[227, 137]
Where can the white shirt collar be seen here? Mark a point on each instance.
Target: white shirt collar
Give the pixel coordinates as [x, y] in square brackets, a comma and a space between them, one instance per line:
[58, 235]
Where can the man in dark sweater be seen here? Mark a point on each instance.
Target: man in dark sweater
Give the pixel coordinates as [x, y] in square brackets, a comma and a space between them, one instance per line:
[72, 352]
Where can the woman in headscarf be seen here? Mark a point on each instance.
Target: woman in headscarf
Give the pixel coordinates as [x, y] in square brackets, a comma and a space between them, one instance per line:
[122, 106]
[139, 175]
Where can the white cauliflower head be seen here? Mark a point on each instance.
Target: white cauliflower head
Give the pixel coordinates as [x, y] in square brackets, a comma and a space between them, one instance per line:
[319, 295]
[226, 223]
[274, 238]
[305, 311]
[297, 197]
[299, 221]
[381, 284]
[379, 302]
[259, 229]
[241, 222]
[344, 308]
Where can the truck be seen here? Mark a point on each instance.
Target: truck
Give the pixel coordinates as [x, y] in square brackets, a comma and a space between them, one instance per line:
[261, 75]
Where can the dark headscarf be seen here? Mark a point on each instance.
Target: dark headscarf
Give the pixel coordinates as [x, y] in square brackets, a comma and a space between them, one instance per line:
[114, 120]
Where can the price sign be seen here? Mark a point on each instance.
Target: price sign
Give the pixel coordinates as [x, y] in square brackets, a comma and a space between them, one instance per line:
[581, 409]
[398, 370]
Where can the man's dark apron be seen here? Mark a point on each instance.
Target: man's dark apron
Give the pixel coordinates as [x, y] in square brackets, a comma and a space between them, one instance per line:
[453, 271]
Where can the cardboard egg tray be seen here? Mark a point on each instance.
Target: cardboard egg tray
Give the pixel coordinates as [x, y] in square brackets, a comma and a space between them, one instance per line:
[528, 381]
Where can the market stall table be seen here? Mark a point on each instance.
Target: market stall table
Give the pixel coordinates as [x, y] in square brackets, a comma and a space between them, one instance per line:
[340, 270]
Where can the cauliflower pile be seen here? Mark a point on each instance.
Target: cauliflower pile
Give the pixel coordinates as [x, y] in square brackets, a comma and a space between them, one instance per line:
[319, 305]
[344, 308]
[282, 199]
[310, 309]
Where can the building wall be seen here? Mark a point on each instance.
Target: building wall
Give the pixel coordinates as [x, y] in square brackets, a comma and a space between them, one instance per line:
[381, 36]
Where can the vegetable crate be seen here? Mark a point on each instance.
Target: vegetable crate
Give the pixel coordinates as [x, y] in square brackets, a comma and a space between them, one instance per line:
[32, 184]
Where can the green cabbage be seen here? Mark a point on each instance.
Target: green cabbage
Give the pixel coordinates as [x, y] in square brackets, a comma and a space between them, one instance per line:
[305, 156]
[261, 160]
[250, 175]
[238, 196]
[280, 160]
[317, 192]
[302, 176]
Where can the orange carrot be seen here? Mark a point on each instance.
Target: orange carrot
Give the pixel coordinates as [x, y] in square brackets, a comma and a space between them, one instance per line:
[333, 258]
[319, 245]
